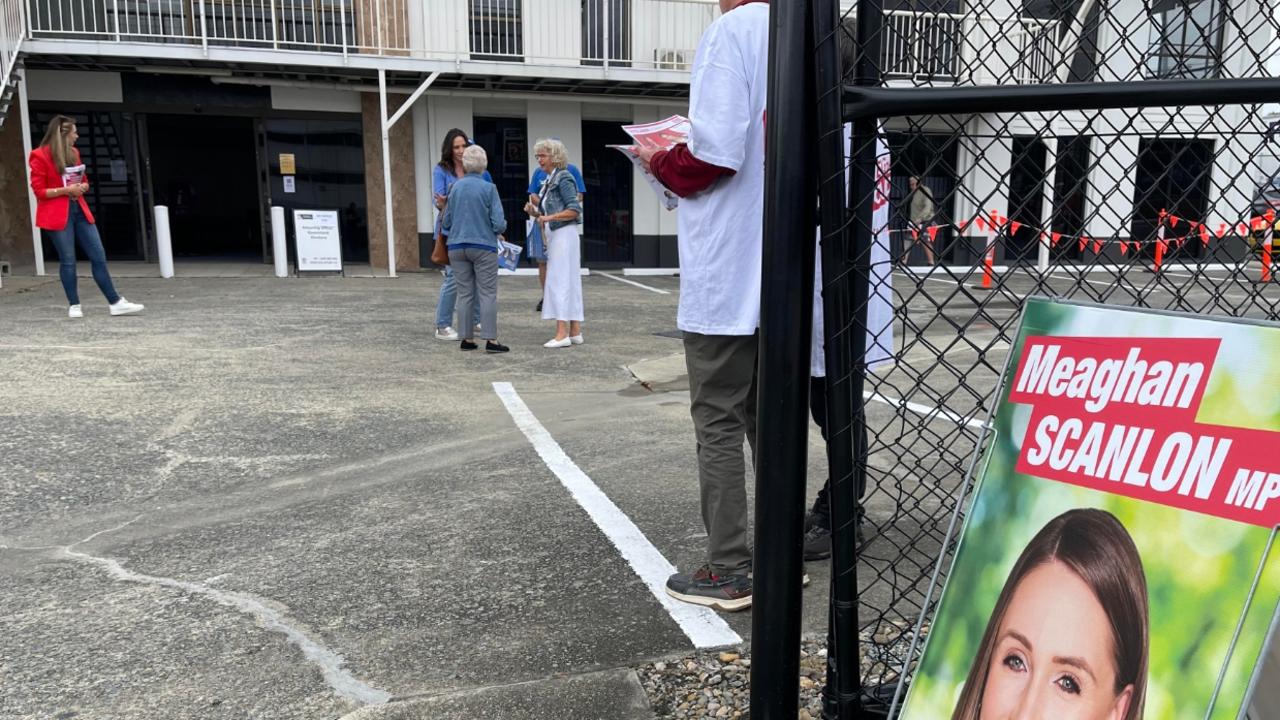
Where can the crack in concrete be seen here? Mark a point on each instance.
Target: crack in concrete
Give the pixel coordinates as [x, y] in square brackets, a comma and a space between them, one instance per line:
[330, 663]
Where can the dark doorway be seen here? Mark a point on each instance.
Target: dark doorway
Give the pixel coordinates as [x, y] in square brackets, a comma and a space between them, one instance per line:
[1070, 194]
[607, 211]
[505, 140]
[1026, 198]
[1173, 175]
[108, 151]
[328, 159]
[932, 158]
[204, 169]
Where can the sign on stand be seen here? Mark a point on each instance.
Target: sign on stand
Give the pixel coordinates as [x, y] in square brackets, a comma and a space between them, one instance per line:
[1117, 561]
[318, 240]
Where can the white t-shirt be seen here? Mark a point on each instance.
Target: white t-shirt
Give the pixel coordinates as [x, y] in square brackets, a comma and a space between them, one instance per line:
[880, 295]
[721, 228]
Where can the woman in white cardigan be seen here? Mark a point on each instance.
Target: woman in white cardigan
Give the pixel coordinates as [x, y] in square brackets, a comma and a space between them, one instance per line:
[557, 212]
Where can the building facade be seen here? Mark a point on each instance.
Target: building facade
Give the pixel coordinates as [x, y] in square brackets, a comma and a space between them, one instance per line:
[221, 109]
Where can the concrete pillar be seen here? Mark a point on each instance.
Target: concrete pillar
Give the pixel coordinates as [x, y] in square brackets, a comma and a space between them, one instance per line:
[653, 226]
[15, 205]
[983, 162]
[1113, 168]
[403, 185]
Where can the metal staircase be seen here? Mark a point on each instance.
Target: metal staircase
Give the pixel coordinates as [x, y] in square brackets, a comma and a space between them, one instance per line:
[12, 33]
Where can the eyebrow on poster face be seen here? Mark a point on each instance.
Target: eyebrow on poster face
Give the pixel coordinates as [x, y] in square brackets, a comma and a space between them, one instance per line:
[1068, 660]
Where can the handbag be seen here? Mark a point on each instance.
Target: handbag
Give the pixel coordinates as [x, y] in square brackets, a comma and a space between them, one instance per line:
[440, 253]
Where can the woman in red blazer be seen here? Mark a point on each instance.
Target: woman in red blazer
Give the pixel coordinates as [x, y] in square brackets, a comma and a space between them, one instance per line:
[57, 178]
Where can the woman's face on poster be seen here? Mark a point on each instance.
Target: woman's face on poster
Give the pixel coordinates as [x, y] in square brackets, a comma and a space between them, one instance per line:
[1054, 654]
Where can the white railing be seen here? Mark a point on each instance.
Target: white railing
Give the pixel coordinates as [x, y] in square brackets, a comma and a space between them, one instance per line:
[540, 35]
[12, 32]
[652, 34]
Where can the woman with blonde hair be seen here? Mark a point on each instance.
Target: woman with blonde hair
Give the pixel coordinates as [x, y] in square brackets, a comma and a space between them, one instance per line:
[556, 211]
[57, 179]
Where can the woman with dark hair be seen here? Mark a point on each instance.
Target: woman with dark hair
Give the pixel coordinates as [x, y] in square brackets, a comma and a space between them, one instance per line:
[1069, 635]
[447, 172]
[59, 182]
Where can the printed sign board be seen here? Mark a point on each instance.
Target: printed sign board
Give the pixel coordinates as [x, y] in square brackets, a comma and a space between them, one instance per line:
[1117, 559]
[318, 239]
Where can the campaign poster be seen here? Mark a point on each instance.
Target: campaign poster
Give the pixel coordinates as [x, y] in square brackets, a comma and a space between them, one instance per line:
[1116, 562]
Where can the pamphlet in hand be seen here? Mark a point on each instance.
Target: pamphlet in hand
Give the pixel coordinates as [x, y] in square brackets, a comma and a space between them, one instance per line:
[73, 175]
[663, 135]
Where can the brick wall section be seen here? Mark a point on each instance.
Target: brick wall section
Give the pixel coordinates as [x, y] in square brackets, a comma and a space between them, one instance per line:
[15, 212]
[403, 185]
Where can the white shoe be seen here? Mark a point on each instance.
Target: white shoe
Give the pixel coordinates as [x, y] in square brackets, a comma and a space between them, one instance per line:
[576, 339]
[477, 329]
[124, 307]
[75, 312]
[553, 343]
[446, 333]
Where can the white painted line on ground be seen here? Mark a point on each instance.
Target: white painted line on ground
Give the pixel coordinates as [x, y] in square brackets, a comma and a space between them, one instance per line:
[503, 272]
[703, 626]
[653, 272]
[633, 282]
[927, 411]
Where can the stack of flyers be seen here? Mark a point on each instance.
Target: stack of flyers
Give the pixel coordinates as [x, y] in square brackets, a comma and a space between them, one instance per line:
[73, 175]
[662, 135]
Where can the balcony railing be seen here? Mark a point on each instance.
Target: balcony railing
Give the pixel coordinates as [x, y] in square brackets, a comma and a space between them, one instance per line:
[656, 35]
[12, 33]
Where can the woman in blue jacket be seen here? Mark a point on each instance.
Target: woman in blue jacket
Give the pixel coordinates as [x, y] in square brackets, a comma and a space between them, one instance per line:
[473, 221]
[447, 172]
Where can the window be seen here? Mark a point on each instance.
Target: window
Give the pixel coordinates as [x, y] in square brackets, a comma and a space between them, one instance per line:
[1186, 39]
[597, 16]
[497, 32]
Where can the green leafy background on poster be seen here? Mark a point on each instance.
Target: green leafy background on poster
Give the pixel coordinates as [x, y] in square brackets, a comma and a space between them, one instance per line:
[1199, 568]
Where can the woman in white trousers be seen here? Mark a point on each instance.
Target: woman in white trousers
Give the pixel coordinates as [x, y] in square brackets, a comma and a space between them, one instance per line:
[557, 213]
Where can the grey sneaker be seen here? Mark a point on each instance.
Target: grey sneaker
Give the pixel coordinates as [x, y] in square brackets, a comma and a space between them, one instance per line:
[817, 543]
[729, 593]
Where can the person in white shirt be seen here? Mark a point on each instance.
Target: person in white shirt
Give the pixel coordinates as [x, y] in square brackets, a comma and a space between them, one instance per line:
[719, 175]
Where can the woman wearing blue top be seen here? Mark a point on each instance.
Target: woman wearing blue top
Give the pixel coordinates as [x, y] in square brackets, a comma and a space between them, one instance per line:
[473, 221]
[536, 248]
[447, 172]
[557, 212]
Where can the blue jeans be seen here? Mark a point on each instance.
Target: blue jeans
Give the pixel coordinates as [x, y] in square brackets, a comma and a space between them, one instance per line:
[79, 228]
[449, 300]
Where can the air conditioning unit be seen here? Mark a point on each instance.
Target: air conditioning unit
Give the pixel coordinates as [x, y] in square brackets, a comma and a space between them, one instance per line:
[671, 59]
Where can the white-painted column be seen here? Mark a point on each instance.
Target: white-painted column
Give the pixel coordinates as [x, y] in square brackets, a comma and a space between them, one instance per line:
[1046, 208]
[386, 173]
[1113, 169]
[164, 242]
[279, 242]
[560, 120]
[425, 158]
[36, 241]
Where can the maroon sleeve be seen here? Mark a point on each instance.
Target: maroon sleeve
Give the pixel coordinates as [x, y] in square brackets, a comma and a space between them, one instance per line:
[682, 173]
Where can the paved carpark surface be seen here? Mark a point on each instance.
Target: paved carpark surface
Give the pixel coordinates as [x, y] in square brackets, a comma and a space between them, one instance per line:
[284, 499]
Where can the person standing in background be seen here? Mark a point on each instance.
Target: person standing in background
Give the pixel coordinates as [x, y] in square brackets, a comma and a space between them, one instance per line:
[557, 212]
[59, 183]
[719, 176]
[920, 211]
[447, 172]
[537, 248]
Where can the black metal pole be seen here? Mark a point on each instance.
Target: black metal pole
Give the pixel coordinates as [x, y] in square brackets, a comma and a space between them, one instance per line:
[786, 317]
[846, 268]
[841, 695]
[864, 101]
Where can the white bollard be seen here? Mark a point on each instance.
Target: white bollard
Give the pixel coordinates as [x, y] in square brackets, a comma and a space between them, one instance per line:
[164, 243]
[279, 243]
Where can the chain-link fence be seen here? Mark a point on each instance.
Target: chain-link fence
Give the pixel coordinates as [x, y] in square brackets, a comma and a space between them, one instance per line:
[1115, 151]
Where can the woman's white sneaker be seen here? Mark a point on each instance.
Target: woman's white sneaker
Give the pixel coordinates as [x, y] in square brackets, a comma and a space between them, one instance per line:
[124, 307]
[75, 312]
[446, 333]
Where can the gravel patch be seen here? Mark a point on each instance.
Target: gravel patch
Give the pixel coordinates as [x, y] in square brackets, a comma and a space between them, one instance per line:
[717, 684]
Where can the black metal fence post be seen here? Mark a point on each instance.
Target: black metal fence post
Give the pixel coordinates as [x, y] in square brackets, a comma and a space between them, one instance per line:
[786, 317]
